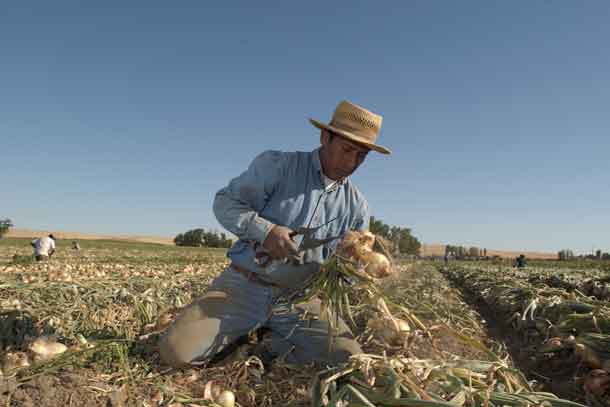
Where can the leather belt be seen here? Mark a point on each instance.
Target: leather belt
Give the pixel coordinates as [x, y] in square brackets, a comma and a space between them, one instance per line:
[251, 276]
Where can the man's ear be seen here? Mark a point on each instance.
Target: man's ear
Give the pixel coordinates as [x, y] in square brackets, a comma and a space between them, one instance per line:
[325, 137]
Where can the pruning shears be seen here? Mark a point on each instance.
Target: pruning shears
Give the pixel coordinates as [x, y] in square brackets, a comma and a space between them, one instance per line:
[309, 241]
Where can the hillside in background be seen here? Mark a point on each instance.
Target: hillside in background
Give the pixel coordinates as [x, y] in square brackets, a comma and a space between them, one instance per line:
[27, 233]
[426, 249]
[439, 250]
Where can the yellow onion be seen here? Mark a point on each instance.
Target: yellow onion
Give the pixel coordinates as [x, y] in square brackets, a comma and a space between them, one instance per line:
[226, 399]
[377, 265]
[213, 391]
[391, 331]
[367, 239]
[44, 349]
[354, 243]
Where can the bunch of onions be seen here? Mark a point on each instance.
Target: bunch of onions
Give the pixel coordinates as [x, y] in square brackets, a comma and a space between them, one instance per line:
[354, 267]
[358, 247]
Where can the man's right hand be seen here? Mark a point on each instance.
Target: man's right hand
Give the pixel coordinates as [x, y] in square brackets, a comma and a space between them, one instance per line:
[279, 244]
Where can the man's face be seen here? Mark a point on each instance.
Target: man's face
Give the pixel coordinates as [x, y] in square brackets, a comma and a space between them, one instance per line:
[339, 156]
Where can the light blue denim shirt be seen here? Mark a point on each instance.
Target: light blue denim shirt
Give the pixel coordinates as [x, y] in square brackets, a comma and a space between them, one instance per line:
[286, 188]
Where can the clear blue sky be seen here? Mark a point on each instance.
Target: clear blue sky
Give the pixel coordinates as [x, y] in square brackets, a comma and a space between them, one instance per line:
[126, 119]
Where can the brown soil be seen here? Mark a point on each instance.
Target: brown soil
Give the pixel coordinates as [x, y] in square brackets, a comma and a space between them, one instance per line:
[76, 388]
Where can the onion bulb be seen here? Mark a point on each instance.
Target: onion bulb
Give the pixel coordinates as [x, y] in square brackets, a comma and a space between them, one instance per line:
[44, 349]
[391, 331]
[367, 239]
[226, 399]
[358, 247]
[377, 265]
[213, 391]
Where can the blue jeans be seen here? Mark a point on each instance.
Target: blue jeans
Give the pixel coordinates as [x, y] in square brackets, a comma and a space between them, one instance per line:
[233, 306]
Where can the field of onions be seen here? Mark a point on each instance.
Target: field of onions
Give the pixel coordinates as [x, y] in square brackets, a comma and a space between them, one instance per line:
[560, 327]
[82, 330]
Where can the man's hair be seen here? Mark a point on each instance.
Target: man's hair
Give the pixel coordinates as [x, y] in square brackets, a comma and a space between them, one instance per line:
[51, 236]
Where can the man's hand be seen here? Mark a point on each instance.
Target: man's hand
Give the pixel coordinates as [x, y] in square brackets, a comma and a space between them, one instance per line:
[279, 244]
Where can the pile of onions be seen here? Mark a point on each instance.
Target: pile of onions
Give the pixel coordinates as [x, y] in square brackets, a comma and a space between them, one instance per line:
[358, 247]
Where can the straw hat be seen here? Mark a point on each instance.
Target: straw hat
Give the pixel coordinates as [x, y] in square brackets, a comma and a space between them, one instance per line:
[355, 123]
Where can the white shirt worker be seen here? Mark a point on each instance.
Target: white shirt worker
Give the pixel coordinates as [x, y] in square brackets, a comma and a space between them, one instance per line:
[43, 246]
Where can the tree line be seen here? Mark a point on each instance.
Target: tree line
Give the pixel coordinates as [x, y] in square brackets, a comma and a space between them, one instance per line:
[568, 254]
[201, 238]
[462, 252]
[401, 239]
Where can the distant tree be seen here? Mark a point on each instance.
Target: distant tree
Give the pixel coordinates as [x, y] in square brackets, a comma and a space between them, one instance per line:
[402, 239]
[179, 239]
[377, 227]
[5, 225]
[565, 254]
[201, 238]
[473, 252]
[598, 254]
[407, 243]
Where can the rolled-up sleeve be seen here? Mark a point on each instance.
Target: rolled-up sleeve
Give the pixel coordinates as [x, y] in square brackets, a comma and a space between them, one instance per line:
[237, 206]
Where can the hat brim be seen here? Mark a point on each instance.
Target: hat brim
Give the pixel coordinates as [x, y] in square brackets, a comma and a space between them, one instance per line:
[350, 136]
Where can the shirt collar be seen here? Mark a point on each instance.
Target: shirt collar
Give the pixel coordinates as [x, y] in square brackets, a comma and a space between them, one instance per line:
[328, 183]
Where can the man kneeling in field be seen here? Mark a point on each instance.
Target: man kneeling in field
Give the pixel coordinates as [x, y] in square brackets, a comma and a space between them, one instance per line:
[279, 193]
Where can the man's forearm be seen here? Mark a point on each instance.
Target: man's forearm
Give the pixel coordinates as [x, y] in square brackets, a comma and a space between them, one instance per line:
[239, 218]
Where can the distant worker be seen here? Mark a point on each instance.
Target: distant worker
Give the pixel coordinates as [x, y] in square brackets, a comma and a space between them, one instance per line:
[521, 261]
[75, 246]
[44, 247]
